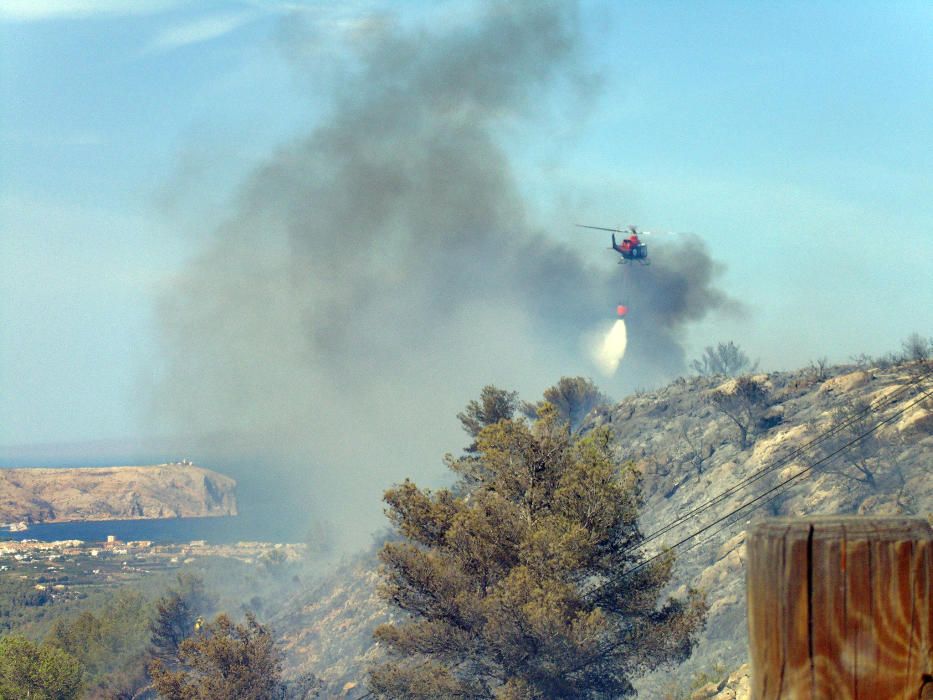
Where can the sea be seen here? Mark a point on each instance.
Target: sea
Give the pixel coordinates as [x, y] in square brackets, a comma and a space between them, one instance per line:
[219, 530]
[268, 510]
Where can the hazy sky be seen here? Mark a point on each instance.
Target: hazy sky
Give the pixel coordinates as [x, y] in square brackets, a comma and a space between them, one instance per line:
[794, 139]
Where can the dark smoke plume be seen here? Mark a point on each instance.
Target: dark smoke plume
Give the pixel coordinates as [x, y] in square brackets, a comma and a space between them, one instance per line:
[376, 274]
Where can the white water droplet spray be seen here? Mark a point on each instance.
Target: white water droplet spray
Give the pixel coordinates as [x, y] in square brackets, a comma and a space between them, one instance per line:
[609, 351]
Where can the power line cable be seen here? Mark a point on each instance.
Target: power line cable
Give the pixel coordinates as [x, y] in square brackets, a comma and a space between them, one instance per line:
[712, 535]
[802, 472]
[782, 485]
[825, 435]
[779, 463]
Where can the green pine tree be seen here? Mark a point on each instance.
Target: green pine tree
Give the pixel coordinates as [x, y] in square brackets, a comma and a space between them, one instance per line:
[512, 584]
[37, 671]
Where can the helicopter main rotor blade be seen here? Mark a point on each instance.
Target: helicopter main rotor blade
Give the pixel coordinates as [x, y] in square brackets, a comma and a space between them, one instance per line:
[601, 228]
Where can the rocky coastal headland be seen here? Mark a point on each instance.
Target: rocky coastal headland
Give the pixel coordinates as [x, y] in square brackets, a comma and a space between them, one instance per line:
[176, 490]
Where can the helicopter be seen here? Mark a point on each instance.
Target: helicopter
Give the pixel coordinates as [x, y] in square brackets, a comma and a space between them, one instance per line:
[631, 248]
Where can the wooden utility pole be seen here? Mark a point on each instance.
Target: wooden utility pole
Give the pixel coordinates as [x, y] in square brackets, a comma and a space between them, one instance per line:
[839, 608]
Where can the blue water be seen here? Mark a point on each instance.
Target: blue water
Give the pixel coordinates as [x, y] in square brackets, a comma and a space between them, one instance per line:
[272, 505]
[224, 530]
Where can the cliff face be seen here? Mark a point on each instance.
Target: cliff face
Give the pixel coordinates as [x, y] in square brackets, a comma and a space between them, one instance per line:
[114, 493]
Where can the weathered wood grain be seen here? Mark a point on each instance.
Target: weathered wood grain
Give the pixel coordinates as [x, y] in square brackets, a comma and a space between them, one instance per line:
[839, 608]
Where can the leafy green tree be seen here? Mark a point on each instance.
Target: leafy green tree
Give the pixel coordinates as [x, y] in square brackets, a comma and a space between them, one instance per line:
[173, 623]
[917, 348]
[80, 636]
[110, 643]
[573, 397]
[224, 660]
[744, 403]
[725, 358]
[319, 538]
[21, 603]
[192, 590]
[275, 560]
[38, 672]
[853, 420]
[494, 404]
[517, 587]
[177, 614]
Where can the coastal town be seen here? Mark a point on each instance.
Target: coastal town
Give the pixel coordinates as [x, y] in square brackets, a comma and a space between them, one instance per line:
[67, 569]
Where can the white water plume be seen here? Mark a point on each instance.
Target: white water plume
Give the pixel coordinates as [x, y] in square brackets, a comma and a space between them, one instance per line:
[608, 352]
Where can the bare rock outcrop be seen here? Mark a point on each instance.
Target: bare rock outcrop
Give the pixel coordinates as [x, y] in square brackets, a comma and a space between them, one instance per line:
[179, 490]
[735, 687]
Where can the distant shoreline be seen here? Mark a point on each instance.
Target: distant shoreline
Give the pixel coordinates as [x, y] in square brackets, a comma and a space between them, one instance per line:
[214, 529]
[4, 527]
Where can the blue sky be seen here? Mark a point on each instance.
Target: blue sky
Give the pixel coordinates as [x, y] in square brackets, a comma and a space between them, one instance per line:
[794, 138]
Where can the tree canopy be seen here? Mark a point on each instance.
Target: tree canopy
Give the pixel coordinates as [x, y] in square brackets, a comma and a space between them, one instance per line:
[223, 660]
[494, 404]
[744, 403]
[39, 672]
[513, 585]
[110, 643]
[725, 358]
[852, 421]
[177, 614]
[573, 398]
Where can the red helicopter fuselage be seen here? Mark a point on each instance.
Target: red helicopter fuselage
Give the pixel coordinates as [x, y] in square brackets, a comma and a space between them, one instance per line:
[631, 248]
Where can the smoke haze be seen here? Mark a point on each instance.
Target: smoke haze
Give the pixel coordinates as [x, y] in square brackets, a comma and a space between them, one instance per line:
[374, 275]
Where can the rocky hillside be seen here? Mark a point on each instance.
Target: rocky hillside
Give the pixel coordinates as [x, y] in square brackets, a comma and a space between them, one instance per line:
[689, 451]
[114, 493]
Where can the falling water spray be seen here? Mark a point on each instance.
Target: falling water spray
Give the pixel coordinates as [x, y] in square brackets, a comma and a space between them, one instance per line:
[609, 351]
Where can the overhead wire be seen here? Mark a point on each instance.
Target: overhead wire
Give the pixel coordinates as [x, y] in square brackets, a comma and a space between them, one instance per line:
[806, 470]
[891, 398]
[783, 461]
